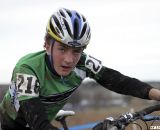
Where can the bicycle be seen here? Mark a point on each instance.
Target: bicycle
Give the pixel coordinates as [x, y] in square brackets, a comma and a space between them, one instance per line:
[122, 121]
[61, 117]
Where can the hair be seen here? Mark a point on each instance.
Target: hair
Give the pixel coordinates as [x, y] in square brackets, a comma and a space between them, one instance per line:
[48, 39]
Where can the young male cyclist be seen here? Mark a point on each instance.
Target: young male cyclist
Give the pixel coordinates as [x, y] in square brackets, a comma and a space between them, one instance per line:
[43, 81]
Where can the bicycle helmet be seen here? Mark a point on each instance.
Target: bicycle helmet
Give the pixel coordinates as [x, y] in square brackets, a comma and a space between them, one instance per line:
[69, 27]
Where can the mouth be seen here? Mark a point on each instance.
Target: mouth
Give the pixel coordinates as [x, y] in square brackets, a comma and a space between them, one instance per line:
[66, 67]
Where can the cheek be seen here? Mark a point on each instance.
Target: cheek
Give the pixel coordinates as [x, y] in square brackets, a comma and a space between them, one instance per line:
[57, 58]
[77, 58]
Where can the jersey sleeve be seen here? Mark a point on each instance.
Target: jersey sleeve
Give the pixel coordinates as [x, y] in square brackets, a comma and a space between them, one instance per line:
[25, 82]
[92, 66]
[114, 80]
[117, 82]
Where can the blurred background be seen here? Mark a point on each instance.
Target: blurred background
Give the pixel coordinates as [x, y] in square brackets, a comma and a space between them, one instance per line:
[125, 37]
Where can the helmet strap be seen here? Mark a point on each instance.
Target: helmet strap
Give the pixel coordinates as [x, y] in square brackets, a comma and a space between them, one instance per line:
[51, 61]
[51, 57]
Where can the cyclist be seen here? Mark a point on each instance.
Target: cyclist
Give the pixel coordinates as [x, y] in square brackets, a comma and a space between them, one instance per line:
[43, 81]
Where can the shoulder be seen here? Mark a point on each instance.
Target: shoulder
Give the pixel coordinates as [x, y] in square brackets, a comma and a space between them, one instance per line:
[90, 63]
[31, 61]
[30, 66]
[31, 57]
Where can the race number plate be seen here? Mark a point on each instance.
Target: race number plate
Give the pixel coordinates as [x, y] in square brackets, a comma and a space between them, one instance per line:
[93, 64]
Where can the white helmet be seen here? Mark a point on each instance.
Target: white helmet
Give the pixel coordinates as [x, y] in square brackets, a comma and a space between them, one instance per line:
[69, 27]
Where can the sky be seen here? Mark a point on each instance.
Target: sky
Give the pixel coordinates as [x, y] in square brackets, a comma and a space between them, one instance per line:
[125, 33]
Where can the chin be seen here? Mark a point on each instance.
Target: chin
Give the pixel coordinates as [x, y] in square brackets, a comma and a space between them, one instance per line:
[65, 73]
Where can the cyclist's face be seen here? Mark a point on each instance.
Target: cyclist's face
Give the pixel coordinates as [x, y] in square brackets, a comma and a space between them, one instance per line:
[65, 58]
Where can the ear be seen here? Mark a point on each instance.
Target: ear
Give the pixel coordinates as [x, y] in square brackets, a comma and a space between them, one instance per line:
[47, 47]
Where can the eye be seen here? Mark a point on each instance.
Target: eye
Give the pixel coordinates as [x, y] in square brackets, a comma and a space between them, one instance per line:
[62, 49]
[78, 51]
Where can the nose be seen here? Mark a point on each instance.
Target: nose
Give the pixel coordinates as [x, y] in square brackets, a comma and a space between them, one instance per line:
[69, 57]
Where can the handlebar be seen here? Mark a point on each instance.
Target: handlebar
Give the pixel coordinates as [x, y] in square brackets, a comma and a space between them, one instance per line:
[119, 123]
[149, 110]
[61, 117]
[63, 114]
[123, 120]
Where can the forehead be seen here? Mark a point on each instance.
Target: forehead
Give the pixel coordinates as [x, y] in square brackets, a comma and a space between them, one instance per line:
[65, 46]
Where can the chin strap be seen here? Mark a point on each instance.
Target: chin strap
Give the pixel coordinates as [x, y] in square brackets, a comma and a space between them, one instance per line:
[52, 65]
[50, 57]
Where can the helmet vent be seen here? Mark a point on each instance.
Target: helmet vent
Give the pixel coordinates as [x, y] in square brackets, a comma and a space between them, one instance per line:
[88, 34]
[67, 27]
[76, 29]
[52, 28]
[84, 19]
[69, 12]
[83, 30]
[58, 24]
[62, 13]
[78, 15]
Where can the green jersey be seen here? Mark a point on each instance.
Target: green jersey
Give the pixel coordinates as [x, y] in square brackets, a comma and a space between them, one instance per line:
[32, 77]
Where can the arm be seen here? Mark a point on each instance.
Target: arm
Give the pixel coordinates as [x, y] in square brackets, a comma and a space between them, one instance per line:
[27, 86]
[35, 115]
[117, 82]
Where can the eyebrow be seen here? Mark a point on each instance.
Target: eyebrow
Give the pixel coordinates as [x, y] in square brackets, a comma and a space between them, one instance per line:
[63, 45]
[77, 48]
